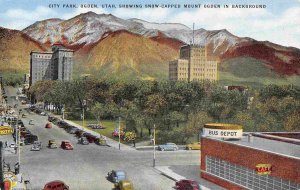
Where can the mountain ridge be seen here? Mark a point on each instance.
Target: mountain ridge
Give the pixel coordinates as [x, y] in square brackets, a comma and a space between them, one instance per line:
[88, 34]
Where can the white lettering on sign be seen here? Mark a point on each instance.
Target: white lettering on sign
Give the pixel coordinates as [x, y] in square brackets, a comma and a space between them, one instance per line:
[223, 133]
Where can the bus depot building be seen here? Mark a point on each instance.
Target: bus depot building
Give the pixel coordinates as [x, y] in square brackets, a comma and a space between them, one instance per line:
[259, 161]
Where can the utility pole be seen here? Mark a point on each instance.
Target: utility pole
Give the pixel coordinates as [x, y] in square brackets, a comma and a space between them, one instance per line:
[119, 133]
[154, 153]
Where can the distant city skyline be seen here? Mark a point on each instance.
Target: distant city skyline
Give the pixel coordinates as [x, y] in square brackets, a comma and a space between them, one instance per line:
[279, 22]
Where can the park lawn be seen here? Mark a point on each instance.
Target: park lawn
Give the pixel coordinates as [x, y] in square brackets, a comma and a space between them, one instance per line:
[109, 128]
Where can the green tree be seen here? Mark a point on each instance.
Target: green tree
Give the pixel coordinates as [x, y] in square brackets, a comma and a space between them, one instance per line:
[99, 111]
[292, 122]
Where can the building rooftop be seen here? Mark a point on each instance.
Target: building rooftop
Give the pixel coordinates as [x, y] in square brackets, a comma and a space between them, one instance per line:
[193, 46]
[40, 52]
[269, 145]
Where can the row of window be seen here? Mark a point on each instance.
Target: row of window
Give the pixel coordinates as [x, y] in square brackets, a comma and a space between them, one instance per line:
[43, 56]
[246, 177]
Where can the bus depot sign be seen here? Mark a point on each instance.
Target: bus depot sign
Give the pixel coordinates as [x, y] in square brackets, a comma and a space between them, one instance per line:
[263, 169]
[219, 130]
[6, 130]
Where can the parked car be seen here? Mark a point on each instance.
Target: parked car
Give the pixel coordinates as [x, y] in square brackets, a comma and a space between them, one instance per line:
[124, 185]
[13, 145]
[66, 145]
[185, 184]
[48, 125]
[72, 130]
[30, 138]
[56, 185]
[51, 118]
[31, 122]
[84, 141]
[168, 146]
[61, 124]
[116, 175]
[193, 146]
[43, 113]
[52, 144]
[101, 141]
[91, 138]
[79, 133]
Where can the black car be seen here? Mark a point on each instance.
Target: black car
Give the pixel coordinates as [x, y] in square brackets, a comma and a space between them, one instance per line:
[29, 139]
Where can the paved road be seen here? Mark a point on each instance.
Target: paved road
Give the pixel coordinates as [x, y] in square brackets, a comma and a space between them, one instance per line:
[85, 167]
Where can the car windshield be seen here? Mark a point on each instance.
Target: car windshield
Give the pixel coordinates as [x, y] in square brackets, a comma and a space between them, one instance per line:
[120, 173]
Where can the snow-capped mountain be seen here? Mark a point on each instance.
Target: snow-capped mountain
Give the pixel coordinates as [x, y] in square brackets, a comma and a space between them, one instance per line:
[90, 27]
[106, 42]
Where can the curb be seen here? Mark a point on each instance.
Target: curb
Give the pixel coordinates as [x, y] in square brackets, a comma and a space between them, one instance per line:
[181, 147]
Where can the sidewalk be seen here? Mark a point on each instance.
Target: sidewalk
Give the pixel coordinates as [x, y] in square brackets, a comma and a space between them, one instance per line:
[204, 184]
[110, 142]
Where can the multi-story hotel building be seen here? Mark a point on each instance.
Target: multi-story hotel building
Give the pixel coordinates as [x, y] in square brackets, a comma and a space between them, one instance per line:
[55, 65]
[193, 64]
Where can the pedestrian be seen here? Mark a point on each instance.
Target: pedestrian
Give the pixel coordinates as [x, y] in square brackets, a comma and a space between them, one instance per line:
[5, 144]
[133, 142]
[16, 150]
[17, 168]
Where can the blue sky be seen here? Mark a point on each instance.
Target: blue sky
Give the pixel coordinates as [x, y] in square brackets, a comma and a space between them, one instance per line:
[279, 22]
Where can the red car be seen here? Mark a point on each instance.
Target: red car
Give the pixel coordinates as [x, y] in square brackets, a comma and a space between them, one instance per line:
[66, 145]
[48, 125]
[56, 185]
[186, 184]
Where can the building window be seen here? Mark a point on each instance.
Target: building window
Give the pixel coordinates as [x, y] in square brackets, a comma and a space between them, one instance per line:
[245, 177]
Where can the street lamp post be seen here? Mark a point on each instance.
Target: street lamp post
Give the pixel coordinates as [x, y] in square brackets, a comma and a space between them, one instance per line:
[154, 153]
[19, 147]
[63, 112]
[83, 106]
[19, 138]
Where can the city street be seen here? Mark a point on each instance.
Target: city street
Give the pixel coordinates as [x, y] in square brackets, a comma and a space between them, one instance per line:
[86, 166]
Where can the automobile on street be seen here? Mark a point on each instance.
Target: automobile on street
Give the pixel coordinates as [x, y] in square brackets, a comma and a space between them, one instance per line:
[36, 146]
[66, 145]
[56, 185]
[185, 184]
[52, 144]
[124, 185]
[83, 141]
[48, 125]
[193, 146]
[168, 146]
[116, 175]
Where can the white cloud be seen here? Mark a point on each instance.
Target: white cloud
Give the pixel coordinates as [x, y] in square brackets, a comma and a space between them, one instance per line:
[259, 24]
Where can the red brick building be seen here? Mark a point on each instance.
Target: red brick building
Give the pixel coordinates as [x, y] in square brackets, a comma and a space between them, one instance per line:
[236, 164]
